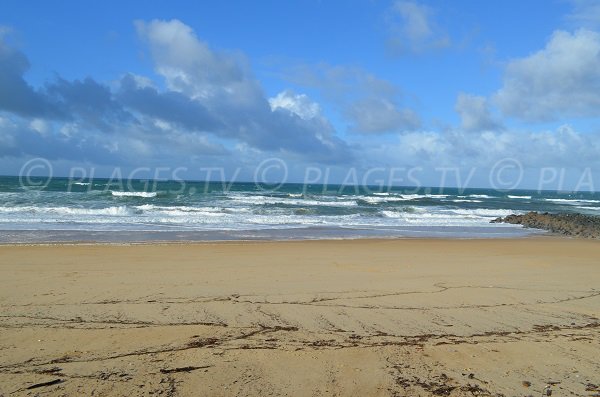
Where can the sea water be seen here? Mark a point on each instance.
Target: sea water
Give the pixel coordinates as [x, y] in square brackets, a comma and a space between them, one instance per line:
[141, 210]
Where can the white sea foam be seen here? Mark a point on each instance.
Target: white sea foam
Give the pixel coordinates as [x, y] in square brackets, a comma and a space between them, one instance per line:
[181, 211]
[519, 197]
[433, 219]
[561, 200]
[393, 214]
[483, 196]
[242, 210]
[404, 212]
[421, 196]
[589, 208]
[237, 210]
[377, 200]
[480, 212]
[148, 216]
[572, 201]
[261, 200]
[180, 208]
[133, 194]
[111, 211]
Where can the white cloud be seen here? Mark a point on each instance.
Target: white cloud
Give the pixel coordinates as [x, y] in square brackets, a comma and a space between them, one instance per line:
[424, 146]
[562, 147]
[475, 113]
[7, 137]
[298, 104]
[413, 29]
[141, 81]
[211, 99]
[214, 107]
[69, 130]
[586, 13]
[191, 67]
[39, 126]
[381, 115]
[215, 91]
[370, 104]
[561, 80]
[16, 95]
[416, 20]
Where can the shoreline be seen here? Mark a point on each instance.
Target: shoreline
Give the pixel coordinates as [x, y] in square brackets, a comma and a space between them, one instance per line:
[33, 237]
[379, 317]
[533, 236]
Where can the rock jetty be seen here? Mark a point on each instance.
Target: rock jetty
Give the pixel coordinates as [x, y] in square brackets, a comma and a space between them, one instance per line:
[577, 225]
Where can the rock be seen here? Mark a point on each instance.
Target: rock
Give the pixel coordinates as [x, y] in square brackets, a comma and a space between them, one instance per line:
[578, 225]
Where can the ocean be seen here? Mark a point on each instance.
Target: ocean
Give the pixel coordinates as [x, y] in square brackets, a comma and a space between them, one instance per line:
[102, 210]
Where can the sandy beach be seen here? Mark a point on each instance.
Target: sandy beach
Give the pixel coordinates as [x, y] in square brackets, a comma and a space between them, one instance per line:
[495, 317]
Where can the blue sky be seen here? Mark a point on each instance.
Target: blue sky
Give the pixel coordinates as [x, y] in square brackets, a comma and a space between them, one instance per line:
[328, 84]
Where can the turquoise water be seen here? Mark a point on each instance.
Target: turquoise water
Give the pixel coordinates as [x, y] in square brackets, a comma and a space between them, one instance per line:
[109, 210]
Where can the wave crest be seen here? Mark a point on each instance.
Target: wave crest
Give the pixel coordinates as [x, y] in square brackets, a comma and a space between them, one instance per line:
[133, 194]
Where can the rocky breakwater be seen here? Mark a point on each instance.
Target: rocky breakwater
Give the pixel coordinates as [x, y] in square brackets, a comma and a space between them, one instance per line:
[578, 225]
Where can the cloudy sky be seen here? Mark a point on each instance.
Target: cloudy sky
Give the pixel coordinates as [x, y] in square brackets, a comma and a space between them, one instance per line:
[334, 85]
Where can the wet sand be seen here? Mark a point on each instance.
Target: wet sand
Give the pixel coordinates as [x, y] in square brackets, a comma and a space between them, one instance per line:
[305, 318]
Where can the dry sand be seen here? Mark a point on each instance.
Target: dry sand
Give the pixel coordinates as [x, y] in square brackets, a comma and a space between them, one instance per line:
[321, 318]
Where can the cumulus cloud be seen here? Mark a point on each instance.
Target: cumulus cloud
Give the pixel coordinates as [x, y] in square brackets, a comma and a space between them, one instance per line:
[16, 95]
[560, 147]
[69, 119]
[39, 138]
[298, 104]
[585, 13]
[340, 83]
[223, 84]
[191, 67]
[475, 113]
[380, 115]
[206, 102]
[413, 29]
[89, 102]
[135, 144]
[170, 106]
[370, 104]
[85, 101]
[211, 97]
[561, 80]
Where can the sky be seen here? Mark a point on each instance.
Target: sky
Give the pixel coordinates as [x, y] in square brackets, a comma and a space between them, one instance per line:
[483, 93]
